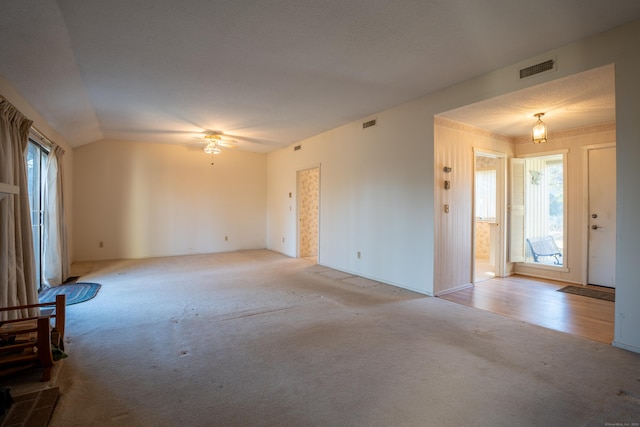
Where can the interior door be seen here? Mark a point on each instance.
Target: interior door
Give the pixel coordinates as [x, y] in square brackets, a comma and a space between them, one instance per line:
[602, 217]
[489, 214]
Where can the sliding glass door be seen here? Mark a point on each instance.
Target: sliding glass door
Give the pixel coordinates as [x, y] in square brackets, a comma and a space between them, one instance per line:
[36, 163]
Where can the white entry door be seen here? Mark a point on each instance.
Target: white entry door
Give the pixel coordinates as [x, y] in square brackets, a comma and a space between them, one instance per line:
[602, 217]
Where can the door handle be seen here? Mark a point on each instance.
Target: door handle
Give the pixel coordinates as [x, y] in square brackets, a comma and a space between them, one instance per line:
[595, 227]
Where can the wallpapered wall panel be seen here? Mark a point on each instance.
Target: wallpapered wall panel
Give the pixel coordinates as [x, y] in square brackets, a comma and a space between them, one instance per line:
[309, 192]
[482, 240]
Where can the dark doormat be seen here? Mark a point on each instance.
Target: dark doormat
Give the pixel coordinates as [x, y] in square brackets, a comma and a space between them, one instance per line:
[32, 409]
[75, 292]
[588, 292]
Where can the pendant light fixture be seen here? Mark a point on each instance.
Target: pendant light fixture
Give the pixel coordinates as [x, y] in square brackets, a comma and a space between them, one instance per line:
[539, 133]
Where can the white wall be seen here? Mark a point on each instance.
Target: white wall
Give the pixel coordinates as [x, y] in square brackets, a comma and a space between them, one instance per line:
[375, 190]
[12, 95]
[627, 60]
[147, 200]
[377, 185]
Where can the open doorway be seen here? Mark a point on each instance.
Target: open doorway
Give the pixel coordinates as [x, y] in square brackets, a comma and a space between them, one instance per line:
[489, 196]
[308, 213]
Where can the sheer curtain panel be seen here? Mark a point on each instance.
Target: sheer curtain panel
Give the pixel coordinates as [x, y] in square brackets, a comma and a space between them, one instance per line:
[17, 268]
[56, 263]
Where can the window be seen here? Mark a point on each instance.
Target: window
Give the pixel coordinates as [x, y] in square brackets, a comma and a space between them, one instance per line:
[486, 194]
[538, 210]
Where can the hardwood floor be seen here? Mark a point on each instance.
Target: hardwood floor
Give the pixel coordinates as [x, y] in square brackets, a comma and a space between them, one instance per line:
[537, 301]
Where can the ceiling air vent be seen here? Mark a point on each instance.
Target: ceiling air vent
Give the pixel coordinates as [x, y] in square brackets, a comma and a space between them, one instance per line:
[369, 124]
[537, 69]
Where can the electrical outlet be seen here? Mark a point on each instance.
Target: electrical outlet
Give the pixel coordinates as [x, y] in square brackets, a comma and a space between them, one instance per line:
[226, 238]
[359, 255]
[101, 244]
[283, 240]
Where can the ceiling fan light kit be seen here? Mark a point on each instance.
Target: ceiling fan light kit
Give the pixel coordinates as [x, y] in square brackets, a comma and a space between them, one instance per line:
[211, 148]
[215, 143]
[212, 144]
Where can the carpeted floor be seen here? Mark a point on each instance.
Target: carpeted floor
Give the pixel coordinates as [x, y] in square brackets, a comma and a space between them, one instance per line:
[589, 292]
[254, 338]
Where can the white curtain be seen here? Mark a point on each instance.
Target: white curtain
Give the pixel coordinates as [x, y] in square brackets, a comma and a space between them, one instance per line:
[55, 265]
[17, 265]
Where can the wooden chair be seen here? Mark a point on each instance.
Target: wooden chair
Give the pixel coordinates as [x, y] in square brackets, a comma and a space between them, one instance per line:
[29, 342]
[545, 247]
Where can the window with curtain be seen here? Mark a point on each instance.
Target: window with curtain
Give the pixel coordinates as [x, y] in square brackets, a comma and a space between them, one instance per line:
[45, 176]
[17, 270]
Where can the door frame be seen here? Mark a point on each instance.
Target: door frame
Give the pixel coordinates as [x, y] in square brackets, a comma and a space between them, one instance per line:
[501, 212]
[585, 204]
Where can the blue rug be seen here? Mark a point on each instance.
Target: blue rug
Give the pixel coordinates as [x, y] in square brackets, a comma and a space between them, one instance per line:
[75, 292]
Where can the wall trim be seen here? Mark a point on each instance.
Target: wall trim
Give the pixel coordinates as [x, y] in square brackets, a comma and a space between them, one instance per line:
[625, 346]
[456, 289]
[451, 124]
[538, 276]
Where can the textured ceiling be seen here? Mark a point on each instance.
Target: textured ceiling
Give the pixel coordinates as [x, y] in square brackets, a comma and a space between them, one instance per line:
[269, 72]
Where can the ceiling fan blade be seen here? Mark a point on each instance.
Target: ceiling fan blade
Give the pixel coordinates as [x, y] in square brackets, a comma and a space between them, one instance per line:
[252, 140]
[229, 142]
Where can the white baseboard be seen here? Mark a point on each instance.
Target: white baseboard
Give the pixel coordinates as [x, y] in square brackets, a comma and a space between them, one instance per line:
[626, 347]
[456, 289]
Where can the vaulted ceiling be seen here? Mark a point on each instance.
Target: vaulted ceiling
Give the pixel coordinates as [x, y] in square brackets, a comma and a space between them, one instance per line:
[267, 72]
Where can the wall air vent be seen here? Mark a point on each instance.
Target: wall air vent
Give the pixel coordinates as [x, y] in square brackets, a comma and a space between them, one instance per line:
[537, 69]
[297, 147]
[369, 124]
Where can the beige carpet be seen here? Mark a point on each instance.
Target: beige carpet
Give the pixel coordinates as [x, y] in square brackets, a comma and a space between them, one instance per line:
[254, 338]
